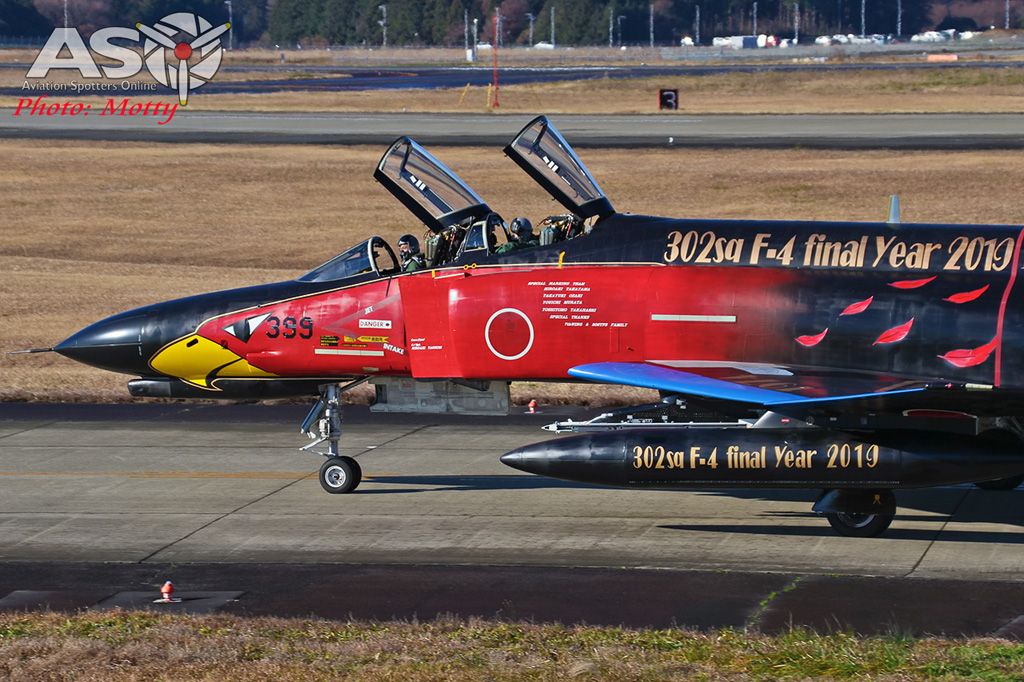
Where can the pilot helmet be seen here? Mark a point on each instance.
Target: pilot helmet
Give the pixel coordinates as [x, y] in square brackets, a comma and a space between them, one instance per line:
[521, 227]
[411, 241]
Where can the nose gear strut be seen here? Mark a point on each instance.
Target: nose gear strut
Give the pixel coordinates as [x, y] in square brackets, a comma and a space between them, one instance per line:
[340, 473]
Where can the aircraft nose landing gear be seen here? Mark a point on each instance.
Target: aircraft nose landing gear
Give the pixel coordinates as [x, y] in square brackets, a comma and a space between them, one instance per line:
[340, 473]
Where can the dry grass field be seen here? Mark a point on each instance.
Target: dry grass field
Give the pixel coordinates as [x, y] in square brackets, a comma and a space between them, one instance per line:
[95, 228]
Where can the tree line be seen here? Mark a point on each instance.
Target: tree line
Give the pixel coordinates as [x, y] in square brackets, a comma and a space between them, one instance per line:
[39, 17]
[451, 22]
[575, 22]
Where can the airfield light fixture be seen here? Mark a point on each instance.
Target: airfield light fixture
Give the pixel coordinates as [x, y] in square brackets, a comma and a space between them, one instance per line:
[494, 53]
[231, 20]
[651, 24]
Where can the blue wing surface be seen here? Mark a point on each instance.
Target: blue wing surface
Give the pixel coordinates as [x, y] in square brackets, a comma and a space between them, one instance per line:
[672, 380]
[809, 392]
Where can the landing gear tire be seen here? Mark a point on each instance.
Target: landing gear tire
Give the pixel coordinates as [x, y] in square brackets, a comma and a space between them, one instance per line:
[1008, 483]
[859, 525]
[340, 475]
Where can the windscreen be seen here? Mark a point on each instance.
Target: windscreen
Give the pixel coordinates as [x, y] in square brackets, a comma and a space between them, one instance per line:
[374, 255]
[541, 151]
[426, 186]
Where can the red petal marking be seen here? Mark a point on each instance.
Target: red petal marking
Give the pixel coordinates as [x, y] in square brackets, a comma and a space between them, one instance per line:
[857, 307]
[967, 295]
[968, 357]
[812, 340]
[896, 333]
[911, 283]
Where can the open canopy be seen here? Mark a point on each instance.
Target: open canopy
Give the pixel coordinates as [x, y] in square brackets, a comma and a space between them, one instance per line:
[541, 151]
[427, 187]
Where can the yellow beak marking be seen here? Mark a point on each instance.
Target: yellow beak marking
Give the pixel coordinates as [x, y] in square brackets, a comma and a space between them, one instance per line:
[199, 361]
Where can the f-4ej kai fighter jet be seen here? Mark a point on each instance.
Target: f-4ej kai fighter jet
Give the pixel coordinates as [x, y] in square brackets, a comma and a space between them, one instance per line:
[854, 358]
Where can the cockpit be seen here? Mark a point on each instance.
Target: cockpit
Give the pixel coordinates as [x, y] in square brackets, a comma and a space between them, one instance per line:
[460, 225]
[372, 256]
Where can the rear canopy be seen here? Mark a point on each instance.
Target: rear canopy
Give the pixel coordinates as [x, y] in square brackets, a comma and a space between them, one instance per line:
[427, 187]
[541, 151]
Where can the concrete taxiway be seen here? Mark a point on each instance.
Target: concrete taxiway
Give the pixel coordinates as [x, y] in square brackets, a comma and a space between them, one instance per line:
[221, 494]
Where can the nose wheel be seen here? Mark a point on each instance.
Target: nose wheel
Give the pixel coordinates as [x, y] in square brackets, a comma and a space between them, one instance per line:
[340, 475]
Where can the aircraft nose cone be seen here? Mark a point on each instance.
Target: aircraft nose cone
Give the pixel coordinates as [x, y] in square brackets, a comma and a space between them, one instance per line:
[113, 344]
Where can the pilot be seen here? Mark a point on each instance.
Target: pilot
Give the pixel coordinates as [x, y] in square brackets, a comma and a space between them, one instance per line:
[409, 250]
[522, 236]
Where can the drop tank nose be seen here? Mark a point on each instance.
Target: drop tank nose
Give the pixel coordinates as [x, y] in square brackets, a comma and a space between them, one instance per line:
[559, 458]
[513, 459]
[113, 344]
[533, 459]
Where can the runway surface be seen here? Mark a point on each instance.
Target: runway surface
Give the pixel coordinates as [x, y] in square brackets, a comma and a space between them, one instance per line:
[100, 502]
[676, 129]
